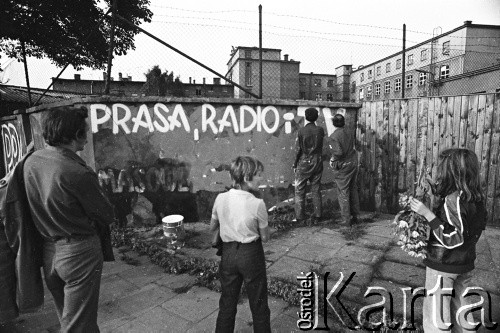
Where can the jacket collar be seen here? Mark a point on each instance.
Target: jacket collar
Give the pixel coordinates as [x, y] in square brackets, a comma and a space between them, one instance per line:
[67, 153]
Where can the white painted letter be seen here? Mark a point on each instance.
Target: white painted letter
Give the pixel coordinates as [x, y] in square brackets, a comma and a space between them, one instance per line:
[94, 120]
[210, 120]
[121, 122]
[276, 119]
[223, 122]
[157, 109]
[248, 128]
[179, 112]
[138, 122]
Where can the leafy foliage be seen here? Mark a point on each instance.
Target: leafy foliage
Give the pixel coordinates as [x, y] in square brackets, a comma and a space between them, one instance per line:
[56, 29]
[160, 83]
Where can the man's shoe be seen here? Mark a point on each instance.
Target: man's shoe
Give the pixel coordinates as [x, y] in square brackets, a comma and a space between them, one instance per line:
[345, 223]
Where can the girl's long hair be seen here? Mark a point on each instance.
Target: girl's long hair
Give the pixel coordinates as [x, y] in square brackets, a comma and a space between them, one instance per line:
[458, 170]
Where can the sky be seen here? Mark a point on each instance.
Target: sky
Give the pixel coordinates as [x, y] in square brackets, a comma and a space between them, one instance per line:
[321, 34]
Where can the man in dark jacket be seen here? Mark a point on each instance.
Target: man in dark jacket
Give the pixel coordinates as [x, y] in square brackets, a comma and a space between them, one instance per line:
[308, 165]
[68, 208]
[344, 161]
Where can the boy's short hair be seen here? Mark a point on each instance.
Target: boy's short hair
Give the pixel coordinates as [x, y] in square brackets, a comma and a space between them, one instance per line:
[63, 124]
[244, 168]
[338, 120]
[311, 114]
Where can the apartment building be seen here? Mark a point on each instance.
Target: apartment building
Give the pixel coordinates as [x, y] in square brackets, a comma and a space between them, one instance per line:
[280, 77]
[464, 60]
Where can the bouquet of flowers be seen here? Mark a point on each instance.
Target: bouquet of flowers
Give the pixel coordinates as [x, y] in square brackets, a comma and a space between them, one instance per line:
[411, 228]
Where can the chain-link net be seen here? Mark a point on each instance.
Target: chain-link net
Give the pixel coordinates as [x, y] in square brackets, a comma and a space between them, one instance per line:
[310, 58]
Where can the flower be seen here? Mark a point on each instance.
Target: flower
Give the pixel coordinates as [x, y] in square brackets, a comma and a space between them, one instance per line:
[403, 224]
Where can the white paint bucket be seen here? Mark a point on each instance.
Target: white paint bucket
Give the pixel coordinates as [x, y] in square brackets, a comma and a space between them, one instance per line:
[172, 226]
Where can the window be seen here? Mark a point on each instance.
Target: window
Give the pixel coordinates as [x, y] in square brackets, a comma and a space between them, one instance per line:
[409, 81]
[377, 89]
[410, 59]
[370, 74]
[248, 73]
[302, 81]
[362, 77]
[198, 92]
[422, 79]
[317, 82]
[387, 87]
[398, 64]
[302, 95]
[361, 93]
[388, 67]
[446, 48]
[353, 87]
[368, 91]
[329, 97]
[248, 54]
[379, 70]
[329, 83]
[397, 85]
[444, 72]
[423, 55]
[319, 96]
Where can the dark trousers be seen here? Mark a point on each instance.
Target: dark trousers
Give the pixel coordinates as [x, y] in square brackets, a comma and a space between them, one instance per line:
[308, 170]
[243, 262]
[72, 271]
[346, 178]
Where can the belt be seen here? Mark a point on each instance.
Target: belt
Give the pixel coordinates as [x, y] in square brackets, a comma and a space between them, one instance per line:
[68, 239]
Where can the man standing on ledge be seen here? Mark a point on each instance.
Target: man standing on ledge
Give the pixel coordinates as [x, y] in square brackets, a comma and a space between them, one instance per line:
[344, 161]
[308, 165]
[68, 206]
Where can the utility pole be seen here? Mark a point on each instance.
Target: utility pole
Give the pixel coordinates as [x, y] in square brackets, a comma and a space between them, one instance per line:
[23, 49]
[111, 47]
[260, 51]
[403, 60]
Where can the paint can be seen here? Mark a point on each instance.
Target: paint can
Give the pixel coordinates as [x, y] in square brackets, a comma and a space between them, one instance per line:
[173, 227]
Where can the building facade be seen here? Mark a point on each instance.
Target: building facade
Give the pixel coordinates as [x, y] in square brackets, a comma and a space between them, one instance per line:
[280, 77]
[464, 60]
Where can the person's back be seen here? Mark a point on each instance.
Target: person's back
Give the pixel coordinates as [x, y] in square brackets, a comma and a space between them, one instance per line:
[68, 208]
[310, 139]
[242, 221]
[341, 144]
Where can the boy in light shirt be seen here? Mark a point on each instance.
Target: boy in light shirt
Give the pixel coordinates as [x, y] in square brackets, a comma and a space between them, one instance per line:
[243, 222]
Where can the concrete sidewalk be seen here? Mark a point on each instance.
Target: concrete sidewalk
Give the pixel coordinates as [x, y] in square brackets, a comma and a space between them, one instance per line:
[142, 298]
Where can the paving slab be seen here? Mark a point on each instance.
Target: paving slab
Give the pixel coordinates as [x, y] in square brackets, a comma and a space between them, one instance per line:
[382, 229]
[314, 253]
[176, 282]
[487, 279]
[482, 244]
[195, 304]
[330, 240]
[396, 254]
[406, 275]
[363, 272]
[147, 297]
[143, 275]
[284, 323]
[359, 254]
[114, 286]
[133, 326]
[275, 251]
[113, 325]
[374, 242]
[158, 319]
[288, 268]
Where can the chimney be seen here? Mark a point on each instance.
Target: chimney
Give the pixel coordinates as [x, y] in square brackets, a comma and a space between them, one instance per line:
[203, 80]
[190, 80]
[286, 57]
[130, 77]
[194, 81]
[216, 80]
[77, 77]
[120, 77]
[467, 22]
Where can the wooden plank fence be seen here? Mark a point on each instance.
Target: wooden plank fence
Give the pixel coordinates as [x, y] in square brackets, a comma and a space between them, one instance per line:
[395, 136]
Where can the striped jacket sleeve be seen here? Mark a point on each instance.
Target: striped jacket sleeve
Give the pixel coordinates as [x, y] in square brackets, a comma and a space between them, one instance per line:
[449, 229]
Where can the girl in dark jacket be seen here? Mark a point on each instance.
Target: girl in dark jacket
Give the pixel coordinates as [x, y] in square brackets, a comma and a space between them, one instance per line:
[456, 225]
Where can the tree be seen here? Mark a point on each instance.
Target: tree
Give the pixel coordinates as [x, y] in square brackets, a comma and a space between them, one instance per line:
[56, 29]
[160, 83]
